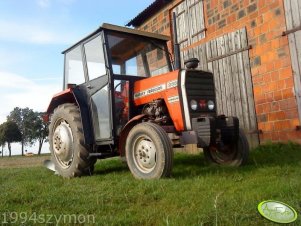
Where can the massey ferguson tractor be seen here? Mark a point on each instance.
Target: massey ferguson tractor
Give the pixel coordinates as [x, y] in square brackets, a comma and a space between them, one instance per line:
[123, 97]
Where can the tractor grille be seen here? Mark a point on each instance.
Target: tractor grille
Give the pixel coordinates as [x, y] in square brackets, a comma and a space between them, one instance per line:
[200, 87]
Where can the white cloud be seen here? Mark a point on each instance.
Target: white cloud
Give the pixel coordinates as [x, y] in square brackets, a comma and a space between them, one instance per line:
[47, 3]
[10, 58]
[43, 3]
[18, 91]
[67, 2]
[33, 33]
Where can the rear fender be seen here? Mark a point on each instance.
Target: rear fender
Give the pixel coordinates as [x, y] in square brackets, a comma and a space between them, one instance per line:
[125, 132]
[76, 97]
[63, 97]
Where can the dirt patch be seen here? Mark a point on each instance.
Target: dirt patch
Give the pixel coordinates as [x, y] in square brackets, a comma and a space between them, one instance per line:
[20, 162]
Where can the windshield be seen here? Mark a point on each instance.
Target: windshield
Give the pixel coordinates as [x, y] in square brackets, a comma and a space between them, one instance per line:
[133, 55]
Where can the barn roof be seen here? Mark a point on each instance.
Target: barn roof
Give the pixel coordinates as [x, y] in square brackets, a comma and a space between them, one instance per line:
[148, 12]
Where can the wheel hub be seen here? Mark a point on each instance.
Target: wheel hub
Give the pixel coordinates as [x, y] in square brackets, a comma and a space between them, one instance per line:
[62, 143]
[223, 153]
[145, 155]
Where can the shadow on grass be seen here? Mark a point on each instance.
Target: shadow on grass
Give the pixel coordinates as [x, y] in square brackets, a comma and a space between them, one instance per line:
[272, 154]
[103, 167]
[189, 166]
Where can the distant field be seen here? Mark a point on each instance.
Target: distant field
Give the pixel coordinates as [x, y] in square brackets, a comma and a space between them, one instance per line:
[22, 161]
[197, 193]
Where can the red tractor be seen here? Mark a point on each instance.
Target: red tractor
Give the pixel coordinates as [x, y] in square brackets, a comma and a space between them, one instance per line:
[123, 97]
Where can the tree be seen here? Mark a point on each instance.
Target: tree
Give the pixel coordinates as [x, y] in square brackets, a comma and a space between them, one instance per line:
[23, 117]
[10, 133]
[40, 130]
[2, 139]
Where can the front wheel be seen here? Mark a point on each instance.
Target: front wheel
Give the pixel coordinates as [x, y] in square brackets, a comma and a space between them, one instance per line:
[231, 154]
[149, 151]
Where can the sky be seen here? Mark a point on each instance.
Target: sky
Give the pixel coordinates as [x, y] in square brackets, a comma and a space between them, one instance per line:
[33, 33]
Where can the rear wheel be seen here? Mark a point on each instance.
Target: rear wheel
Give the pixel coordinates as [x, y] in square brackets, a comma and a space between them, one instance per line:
[230, 154]
[149, 152]
[66, 139]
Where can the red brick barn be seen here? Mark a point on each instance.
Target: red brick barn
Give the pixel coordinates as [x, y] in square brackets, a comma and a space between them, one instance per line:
[253, 47]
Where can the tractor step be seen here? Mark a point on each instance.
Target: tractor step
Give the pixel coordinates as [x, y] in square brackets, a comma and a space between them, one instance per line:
[102, 155]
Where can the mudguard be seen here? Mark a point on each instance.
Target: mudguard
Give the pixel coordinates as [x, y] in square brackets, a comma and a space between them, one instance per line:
[74, 95]
[125, 132]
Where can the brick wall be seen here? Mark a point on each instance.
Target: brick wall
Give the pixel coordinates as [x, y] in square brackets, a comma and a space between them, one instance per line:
[272, 75]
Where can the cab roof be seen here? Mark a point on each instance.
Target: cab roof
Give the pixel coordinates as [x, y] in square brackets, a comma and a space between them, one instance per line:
[111, 27]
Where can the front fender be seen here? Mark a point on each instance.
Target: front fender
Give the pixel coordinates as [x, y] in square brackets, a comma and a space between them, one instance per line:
[125, 132]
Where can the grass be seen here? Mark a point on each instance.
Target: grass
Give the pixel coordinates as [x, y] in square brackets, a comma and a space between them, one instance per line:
[197, 194]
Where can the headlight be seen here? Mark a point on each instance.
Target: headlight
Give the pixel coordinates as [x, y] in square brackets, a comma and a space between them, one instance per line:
[193, 104]
[210, 105]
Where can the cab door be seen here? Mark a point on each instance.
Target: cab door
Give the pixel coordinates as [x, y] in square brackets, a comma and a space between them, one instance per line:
[98, 89]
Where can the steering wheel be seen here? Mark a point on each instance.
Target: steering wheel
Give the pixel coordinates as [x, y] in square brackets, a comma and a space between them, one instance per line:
[117, 86]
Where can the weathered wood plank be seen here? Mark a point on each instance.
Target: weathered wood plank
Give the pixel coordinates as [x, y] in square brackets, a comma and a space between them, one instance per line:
[288, 14]
[231, 77]
[242, 85]
[232, 74]
[196, 20]
[249, 84]
[208, 56]
[295, 49]
[217, 79]
[298, 43]
[182, 31]
[299, 6]
[243, 37]
[293, 20]
[234, 69]
[220, 51]
[295, 13]
[253, 138]
[203, 54]
[228, 80]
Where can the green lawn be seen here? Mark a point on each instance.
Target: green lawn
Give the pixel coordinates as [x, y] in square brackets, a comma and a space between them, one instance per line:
[197, 194]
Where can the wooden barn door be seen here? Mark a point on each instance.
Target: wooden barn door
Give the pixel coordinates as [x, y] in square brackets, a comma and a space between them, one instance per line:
[293, 24]
[228, 58]
[190, 22]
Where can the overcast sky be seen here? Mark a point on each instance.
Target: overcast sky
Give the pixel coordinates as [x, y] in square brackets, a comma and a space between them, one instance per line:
[33, 33]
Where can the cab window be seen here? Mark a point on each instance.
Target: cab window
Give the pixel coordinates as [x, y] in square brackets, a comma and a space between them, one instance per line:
[95, 58]
[74, 70]
[137, 56]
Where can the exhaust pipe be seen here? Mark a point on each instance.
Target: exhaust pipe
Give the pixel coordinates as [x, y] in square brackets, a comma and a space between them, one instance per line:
[176, 45]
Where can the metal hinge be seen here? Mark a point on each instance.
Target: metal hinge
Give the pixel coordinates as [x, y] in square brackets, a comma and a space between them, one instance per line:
[229, 54]
[291, 31]
[259, 131]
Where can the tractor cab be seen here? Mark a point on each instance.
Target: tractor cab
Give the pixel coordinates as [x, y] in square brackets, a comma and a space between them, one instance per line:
[105, 66]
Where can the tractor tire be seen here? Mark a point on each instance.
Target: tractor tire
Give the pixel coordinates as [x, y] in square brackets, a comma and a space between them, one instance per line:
[66, 139]
[149, 152]
[230, 155]
[90, 171]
